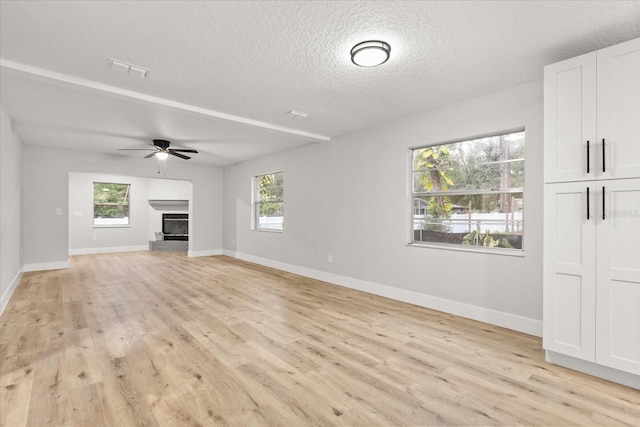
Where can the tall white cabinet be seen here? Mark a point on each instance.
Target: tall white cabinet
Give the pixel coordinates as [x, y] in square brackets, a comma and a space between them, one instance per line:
[592, 213]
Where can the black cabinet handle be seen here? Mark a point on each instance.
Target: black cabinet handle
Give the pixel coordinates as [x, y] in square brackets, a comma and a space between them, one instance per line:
[588, 170]
[604, 168]
[603, 204]
[588, 218]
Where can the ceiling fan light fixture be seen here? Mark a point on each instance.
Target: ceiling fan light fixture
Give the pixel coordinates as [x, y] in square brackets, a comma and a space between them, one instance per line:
[161, 150]
[370, 53]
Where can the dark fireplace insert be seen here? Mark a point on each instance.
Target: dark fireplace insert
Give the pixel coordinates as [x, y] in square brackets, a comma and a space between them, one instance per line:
[175, 226]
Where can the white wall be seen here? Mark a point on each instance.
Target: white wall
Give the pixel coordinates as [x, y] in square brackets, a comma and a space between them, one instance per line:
[167, 189]
[81, 229]
[349, 198]
[144, 219]
[46, 188]
[10, 209]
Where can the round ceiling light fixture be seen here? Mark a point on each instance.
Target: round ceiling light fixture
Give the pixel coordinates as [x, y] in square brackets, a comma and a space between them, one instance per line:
[162, 155]
[370, 53]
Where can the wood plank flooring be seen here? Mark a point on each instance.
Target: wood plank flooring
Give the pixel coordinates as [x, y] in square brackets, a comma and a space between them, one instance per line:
[159, 339]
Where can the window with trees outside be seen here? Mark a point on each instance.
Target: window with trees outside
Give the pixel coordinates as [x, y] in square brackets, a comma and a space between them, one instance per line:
[470, 193]
[268, 201]
[111, 203]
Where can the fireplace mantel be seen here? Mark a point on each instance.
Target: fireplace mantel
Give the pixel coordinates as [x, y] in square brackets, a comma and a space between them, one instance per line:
[169, 204]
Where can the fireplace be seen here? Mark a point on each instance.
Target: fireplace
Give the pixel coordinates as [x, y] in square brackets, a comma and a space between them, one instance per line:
[175, 226]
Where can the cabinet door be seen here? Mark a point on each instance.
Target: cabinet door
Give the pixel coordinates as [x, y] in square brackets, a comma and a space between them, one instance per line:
[569, 269]
[618, 145]
[570, 119]
[618, 275]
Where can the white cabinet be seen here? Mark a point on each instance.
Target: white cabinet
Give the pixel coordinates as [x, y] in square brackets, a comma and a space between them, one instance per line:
[618, 275]
[592, 209]
[592, 115]
[570, 119]
[570, 269]
[592, 272]
[618, 111]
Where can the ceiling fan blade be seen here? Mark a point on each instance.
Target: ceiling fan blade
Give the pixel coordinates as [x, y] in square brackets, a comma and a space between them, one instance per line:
[162, 146]
[182, 156]
[180, 150]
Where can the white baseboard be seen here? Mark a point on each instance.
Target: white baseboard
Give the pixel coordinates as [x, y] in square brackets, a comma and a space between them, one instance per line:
[40, 266]
[494, 317]
[108, 250]
[620, 377]
[210, 252]
[4, 300]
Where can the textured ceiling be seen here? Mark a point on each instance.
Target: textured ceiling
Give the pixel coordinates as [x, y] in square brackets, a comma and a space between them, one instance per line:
[253, 61]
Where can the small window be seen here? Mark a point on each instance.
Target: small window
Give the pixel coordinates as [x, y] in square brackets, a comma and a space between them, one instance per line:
[268, 201]
[111, 203]
[470, 193]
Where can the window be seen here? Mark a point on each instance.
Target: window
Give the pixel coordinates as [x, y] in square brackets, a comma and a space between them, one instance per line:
[470, 193]
[268, 201]
[111, 203]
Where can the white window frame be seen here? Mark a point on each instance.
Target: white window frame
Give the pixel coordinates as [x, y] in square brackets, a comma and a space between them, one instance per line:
[256, 202]
[106, 223]
[412, 194]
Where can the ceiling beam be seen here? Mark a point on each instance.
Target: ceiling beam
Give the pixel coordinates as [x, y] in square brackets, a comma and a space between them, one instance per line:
[40, 74]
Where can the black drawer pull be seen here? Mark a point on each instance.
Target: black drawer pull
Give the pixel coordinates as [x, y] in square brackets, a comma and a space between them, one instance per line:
[588, 217]
[603, 204]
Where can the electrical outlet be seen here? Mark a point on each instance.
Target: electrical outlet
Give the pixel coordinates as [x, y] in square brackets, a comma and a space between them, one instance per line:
[94, 237]
[330, 259]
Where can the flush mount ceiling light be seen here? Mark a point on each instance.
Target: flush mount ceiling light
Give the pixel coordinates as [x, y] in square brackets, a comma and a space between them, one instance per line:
[370, 53]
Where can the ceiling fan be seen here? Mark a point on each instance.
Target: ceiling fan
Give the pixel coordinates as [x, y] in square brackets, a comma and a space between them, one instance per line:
[161, 150]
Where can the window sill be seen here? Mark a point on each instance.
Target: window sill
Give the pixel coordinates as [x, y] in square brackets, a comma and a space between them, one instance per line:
[111, 226]
[482, 250]
[267, 230]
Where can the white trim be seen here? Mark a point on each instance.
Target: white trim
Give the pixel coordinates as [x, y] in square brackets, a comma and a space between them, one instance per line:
[464, 248]
[41, 266]
[610, 374]
[41, 74]
[210, 252]
[471, 138]
[494, 317]
[108, 250]
[7, 294]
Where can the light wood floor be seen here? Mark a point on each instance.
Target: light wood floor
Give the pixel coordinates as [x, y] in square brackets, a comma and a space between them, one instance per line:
[159, 339]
